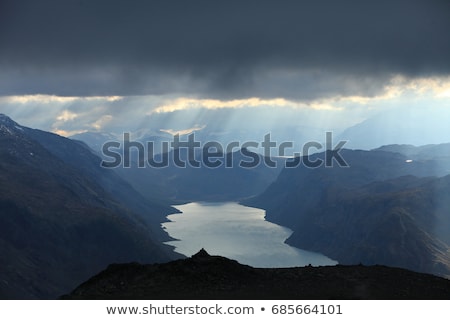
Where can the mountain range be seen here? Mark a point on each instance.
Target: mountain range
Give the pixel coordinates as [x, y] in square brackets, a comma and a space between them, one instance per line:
[62, 219]
[384, 208]
[225, 182]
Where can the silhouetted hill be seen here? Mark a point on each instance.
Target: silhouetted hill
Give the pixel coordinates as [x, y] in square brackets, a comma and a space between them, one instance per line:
[214, 277]
[58, 223]
[376, 211]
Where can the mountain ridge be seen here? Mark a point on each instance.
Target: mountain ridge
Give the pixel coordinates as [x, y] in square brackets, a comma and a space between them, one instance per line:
[214, 277]
[382, 209]
[58, 225]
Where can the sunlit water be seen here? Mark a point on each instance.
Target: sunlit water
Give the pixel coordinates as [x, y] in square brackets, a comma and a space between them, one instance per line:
[236, 232]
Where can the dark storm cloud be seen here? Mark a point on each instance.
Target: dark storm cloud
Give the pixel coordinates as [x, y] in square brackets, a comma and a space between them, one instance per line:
[295, 49]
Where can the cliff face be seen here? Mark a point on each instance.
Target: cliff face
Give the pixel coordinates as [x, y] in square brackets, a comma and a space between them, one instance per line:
[213, 277]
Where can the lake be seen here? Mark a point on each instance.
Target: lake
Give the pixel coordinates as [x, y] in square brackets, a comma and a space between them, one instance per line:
[236, 232]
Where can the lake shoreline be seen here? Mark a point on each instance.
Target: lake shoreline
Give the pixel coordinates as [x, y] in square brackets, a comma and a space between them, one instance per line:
[237, 232]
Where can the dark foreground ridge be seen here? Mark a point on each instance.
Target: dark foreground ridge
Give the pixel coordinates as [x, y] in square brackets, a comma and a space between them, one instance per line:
[213, 277]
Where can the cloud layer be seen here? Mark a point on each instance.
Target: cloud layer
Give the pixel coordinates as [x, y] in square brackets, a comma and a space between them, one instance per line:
[228, 50]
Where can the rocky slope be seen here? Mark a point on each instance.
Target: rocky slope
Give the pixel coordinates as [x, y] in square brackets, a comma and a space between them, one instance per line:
[213, 277]
[58, 222]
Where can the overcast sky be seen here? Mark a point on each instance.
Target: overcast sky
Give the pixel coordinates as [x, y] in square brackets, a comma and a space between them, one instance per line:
[310, 53]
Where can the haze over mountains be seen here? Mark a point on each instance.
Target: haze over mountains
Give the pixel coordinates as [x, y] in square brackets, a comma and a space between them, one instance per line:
[203, 184]
[414, 125]
[221, 125]
[219, 178]
[406, 125]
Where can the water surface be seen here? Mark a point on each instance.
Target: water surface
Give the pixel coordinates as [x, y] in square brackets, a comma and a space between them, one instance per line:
[236, 232]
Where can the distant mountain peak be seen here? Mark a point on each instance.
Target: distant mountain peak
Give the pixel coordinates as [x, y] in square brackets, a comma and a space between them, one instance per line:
[9, 126]
[4, 119]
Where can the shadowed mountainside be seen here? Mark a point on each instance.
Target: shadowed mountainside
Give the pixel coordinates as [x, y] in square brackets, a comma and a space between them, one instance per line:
[382, 209]
[58, 224]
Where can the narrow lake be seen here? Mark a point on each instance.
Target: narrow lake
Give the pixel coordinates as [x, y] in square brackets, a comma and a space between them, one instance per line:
[236, 232]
